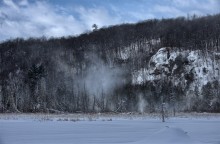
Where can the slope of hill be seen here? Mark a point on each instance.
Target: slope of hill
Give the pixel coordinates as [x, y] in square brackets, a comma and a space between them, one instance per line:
[129, 67]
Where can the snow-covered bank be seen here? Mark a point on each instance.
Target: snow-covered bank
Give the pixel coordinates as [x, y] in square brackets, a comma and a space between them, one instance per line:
[102, 116]
[57, 129]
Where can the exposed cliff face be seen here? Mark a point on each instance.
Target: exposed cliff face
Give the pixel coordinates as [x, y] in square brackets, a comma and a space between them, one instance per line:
[184, 68]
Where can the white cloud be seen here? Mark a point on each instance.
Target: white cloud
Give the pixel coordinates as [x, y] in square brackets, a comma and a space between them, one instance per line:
[11, 4]
[183, 3]
[143, 15]
[131, 16]
[36, 19]
[40, 18]
[99, 16]
[25, 18]
[177, 8]
[23, 3]
[169, 11]
[200, 7]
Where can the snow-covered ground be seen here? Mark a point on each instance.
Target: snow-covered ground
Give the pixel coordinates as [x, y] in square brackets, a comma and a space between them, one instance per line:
[107, 129]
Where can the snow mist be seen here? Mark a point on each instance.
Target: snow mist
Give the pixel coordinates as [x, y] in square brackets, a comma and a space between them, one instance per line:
[141, 103]
[101, 79]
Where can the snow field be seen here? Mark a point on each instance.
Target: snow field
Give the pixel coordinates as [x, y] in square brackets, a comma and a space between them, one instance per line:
[109, 129]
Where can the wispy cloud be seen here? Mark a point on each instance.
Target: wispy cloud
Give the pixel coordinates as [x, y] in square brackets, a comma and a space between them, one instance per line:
[10, 3]
[170, 11]
[23, 3]
[36, 19]
[97, 15]
[25, 18]
[41, 18]
[198, 6]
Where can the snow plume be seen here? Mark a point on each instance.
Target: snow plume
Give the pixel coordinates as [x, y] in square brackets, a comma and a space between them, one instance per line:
[96, 78]
[100, 79]
[141, 103]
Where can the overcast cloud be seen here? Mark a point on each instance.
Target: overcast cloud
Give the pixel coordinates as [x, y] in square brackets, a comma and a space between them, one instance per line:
[56, 18]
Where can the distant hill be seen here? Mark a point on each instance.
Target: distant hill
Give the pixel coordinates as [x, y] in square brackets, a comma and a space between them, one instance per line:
[122, 68]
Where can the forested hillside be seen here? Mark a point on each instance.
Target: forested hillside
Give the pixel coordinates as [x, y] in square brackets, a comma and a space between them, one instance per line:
[122, 68]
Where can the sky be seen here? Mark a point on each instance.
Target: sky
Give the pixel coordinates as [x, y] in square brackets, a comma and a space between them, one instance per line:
[57, 18]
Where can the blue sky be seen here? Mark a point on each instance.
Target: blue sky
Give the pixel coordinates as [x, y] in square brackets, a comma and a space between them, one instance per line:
[56, 18]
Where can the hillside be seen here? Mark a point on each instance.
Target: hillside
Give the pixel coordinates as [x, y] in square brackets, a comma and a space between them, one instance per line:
[122, 68]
